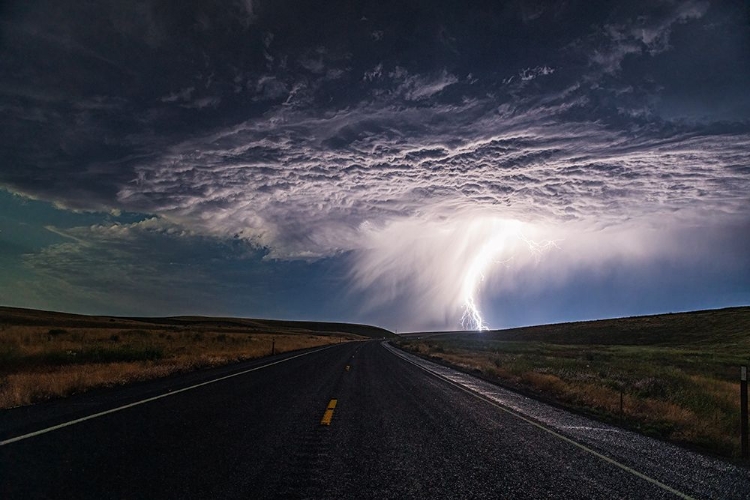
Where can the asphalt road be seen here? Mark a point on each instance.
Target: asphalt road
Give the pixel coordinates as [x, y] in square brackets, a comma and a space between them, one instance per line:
[254, 431]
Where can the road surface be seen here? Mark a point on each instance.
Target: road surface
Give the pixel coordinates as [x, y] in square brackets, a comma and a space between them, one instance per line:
[399, 428]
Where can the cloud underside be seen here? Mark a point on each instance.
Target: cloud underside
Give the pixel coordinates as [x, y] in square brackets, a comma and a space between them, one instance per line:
[307, 186]
[404, 153]
[414, 194]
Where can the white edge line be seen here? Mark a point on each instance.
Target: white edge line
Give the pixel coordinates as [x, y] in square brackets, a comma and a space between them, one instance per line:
[546, 429]
[154, 398]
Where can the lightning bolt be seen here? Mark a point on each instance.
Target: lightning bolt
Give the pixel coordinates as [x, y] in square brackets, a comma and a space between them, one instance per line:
[508, 233]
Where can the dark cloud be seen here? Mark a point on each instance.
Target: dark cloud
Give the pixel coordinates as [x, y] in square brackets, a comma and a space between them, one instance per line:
[304, 129]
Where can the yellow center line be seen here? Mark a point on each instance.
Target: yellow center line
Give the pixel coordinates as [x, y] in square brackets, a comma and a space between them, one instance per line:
[154, 398]
[328, 415]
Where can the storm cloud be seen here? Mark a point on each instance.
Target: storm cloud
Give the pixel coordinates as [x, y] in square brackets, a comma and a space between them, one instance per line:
[391, 137]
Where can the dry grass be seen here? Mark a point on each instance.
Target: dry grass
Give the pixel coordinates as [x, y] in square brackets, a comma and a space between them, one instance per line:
[39, 363]
[686, 392]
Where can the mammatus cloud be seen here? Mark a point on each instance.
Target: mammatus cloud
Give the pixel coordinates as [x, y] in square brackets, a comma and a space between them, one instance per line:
[302, 185]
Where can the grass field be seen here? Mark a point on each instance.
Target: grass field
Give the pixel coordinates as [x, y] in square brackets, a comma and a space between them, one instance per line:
[46, 355]
[678, 374]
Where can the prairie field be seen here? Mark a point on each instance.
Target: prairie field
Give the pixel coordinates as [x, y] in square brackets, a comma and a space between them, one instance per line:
[677, 375]
[50, 355]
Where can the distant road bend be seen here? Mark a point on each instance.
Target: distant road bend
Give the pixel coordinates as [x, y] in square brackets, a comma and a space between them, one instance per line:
[355, 420]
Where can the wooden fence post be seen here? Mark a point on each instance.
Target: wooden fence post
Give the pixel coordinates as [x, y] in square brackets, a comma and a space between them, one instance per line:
[743, 411]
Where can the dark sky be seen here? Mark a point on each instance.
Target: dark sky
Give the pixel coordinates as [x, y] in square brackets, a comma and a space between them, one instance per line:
[408, 164]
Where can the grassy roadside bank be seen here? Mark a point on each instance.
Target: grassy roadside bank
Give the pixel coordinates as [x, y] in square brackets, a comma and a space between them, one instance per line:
[678, 374]
[49, 355]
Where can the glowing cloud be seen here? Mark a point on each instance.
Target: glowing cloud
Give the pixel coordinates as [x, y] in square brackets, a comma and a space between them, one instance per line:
[440, 264]
[501, 243]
